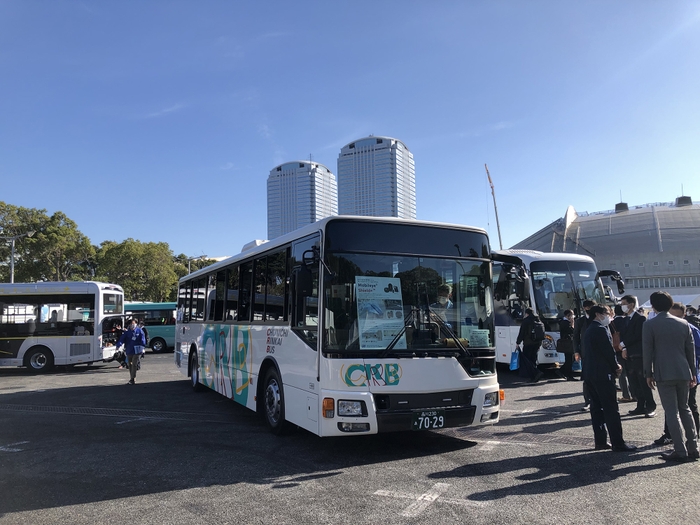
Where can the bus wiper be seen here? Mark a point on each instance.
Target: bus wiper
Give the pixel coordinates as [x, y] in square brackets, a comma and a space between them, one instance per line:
[407, 320]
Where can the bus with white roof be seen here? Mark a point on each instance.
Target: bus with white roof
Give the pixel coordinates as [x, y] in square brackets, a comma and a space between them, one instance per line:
[44, 324]
[551, 284]
[339, 328]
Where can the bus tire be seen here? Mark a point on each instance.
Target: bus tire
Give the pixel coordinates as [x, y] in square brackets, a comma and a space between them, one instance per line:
[39, 360]
[158, 345]
[194, 372]
[273, 403]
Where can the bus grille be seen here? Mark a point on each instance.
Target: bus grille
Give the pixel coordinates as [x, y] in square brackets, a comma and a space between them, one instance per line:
[79, 349]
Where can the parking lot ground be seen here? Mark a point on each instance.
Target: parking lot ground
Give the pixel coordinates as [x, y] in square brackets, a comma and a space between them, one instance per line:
[80, 446]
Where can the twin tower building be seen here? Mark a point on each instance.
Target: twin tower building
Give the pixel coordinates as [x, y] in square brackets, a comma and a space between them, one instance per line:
[376, 177]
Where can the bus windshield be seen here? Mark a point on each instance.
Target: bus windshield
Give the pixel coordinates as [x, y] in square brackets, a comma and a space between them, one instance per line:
[399, 304]
[564, 285]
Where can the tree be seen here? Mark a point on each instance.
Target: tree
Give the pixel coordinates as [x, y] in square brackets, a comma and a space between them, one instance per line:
[146, 271]
[57, 251]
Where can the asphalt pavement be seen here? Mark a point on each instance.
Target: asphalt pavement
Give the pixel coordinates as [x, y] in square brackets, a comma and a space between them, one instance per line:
[80, 446]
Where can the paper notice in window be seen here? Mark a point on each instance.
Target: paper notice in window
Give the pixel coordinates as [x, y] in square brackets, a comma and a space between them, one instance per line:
[380, 312]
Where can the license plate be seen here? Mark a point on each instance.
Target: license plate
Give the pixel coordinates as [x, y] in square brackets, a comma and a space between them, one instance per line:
[428, 419]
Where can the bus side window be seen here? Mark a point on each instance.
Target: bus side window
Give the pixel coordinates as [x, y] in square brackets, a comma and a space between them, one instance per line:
[183, 302]
[244, 291]
[231, 306]
[304, 303]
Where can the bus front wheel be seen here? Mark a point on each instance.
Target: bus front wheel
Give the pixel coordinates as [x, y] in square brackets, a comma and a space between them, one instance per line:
[39, 360]
[158, 345]
[274, 403]
[194, 371]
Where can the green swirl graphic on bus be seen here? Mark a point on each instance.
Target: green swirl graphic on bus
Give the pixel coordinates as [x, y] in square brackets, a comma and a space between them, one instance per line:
[225, 360]
[380, 374]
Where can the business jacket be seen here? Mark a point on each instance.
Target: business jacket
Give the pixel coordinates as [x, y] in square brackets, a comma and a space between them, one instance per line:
[631, 336]
[668, 349]
[599, 361]
[580, 326]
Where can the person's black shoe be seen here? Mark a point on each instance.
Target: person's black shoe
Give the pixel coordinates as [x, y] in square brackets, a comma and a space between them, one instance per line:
[624, 448]
[586, 407]
[674, 456]
[131, 382]
[537, 376]
[663, 441]
[636, 412]
[606, 446]
[650, 414]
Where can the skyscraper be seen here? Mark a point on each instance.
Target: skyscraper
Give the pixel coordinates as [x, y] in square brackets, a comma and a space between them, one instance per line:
[377, 177]
[299, 193]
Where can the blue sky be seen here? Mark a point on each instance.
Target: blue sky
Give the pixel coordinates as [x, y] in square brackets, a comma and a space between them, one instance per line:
[161, 120]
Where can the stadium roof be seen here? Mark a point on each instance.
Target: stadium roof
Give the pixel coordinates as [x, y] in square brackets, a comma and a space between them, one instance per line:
[658, 227]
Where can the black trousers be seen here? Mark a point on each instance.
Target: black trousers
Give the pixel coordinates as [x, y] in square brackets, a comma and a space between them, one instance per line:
[605, 414]
[528, 361]
[638, 384]
[568, 362]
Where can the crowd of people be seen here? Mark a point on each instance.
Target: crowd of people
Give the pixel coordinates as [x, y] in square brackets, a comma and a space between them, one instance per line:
[636, 354]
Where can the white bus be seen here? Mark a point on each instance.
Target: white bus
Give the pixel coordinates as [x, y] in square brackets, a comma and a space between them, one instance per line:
[551, 284]
[58, 323]
[337, 327]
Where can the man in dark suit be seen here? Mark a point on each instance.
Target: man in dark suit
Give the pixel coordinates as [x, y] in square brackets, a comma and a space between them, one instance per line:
[600, 369]
[631, 345]
[669, 363]
[580, 325]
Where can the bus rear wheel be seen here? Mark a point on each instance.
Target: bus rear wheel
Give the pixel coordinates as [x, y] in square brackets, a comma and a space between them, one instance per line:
[273, 401]
[39, 360]
[158, 345]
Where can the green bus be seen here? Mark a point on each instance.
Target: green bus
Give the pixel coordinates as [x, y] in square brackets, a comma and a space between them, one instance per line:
[159, 320]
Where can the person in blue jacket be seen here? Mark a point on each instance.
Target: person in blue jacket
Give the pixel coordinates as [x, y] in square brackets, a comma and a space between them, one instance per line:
[134, 343]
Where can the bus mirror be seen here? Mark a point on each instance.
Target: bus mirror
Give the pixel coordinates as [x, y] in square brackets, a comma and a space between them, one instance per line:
[614, 276]
[310, 258]
[304, 281]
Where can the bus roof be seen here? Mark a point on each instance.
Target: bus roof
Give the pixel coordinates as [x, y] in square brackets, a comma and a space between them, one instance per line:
[528, 256]
[57, 287]
[317, 226]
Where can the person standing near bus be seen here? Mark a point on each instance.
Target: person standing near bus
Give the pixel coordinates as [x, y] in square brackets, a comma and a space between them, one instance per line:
[528, 361]
[134, 343]
[631, 345]
[600, 370]
[580, 326]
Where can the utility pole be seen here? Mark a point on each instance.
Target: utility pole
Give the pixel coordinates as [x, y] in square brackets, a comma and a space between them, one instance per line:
[495, 208]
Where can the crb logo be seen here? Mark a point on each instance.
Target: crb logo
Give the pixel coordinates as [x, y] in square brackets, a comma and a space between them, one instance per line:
[378, 374]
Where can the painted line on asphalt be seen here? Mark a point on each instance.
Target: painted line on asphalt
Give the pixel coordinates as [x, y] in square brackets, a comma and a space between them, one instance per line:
[423, 501]
[10, 447]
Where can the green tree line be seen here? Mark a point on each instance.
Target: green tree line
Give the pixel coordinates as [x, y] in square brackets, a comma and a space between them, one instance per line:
[58, 251]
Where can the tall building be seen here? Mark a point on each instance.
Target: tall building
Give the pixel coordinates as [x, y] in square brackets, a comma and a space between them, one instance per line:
[654, 246]
[377, 177]
[299, 193]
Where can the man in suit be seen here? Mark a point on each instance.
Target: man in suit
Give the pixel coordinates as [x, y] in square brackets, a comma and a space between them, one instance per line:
[669, 363]
[580, 325]
[631, 345]
[600, 369]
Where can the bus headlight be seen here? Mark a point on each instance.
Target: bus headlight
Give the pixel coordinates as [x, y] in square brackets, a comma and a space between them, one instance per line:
[491, 399]
[548, 343]
[351, 408]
